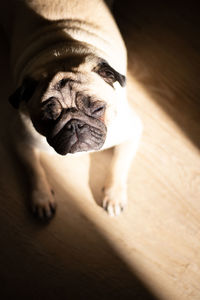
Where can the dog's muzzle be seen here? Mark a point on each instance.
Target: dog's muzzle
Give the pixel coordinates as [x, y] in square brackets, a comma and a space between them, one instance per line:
[79, 133]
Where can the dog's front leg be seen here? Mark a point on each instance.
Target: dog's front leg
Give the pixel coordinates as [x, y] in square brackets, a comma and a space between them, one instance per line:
[42, 202]
[115, 188]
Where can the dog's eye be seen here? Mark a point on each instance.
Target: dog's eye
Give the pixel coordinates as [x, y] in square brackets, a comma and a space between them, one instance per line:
[51, 109]
[97, 108]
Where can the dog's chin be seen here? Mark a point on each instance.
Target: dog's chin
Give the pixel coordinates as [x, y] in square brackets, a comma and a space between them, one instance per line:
[84, 139]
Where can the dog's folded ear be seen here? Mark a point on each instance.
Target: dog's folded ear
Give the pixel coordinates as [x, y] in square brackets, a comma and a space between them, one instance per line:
[109, 74]
[24, 92]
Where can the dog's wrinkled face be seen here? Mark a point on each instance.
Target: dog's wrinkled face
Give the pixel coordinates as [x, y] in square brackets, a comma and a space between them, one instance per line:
[69, 108]
[73, 122]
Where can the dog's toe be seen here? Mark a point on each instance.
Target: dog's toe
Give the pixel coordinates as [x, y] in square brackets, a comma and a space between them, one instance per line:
[114, 206]
[43, 213]
[43, 206]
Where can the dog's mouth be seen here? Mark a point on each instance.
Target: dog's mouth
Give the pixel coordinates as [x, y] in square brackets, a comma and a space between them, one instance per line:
[78, 136]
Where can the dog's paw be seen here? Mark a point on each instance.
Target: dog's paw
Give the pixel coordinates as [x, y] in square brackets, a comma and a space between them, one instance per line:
[114, 200]
[43, 204]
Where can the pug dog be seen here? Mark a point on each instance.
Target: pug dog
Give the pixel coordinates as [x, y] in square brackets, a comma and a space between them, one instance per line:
[68, 63]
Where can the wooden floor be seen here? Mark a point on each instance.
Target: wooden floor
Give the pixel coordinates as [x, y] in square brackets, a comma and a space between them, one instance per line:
[152, 251]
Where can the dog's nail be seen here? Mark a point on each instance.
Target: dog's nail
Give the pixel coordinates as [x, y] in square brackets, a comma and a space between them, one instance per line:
[52, 207]
[117, 210]
[104, 204]
[47, 213]
[110, 211]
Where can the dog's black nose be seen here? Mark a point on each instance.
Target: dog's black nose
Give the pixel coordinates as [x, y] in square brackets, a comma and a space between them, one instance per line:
[74, 125]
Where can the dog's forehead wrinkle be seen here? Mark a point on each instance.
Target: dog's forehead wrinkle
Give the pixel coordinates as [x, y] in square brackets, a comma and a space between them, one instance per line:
[68, 96]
